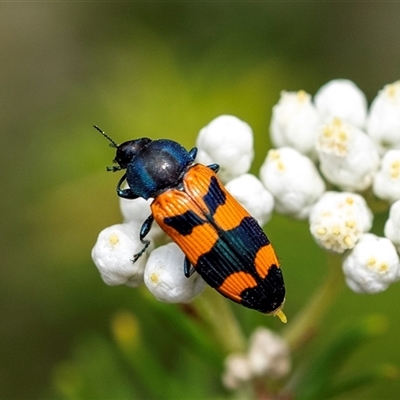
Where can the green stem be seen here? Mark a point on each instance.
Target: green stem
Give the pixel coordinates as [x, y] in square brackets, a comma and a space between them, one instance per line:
[306, 322]
[376, 205]
[220, 319]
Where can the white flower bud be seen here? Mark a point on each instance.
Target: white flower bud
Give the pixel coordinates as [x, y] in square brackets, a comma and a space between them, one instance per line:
[165, 278]
[347, 156]
[227, 141]
[383, 124]
[392, 226]
[387, 180]
[136, 211]
[293, 180]
[268, 354]
[372, 265]
[113, 254]
[338, 220]
[295, 122]
[252, 195]
[342, 99]
[237, 371]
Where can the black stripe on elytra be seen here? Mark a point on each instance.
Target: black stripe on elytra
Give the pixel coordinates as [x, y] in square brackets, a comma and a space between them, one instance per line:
[214, 197]
[184, 223]
[234, 251]
[268, 295]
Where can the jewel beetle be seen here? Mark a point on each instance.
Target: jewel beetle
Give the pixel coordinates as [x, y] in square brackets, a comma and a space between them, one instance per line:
[221, 241]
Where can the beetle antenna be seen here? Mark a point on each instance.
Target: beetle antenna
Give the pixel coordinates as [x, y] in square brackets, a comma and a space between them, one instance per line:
[113, 144]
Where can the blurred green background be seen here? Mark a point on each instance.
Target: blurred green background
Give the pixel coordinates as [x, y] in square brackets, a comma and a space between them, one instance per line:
[158, 69]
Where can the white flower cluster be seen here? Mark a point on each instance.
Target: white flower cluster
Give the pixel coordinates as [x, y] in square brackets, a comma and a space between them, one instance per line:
[268, 356]
[330, 141]
[355, 150]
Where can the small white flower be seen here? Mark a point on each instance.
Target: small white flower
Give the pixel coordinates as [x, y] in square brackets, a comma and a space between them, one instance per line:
[136, 211]
[237, 371]
[372, 265]
[293, 180]
[268, 354]
[295, 122]
[341, 98]
[165, 278]
[227, 141]
[113, 254]
[383, 124]
[348, 158]
[392, 226]
[387, 180]
[338, 220]
[252, 195]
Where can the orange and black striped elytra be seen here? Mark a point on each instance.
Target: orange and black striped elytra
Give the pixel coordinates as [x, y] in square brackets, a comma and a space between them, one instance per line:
[221, 241]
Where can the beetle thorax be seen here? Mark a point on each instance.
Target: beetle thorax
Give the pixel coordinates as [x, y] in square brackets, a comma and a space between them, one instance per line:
[159, 166]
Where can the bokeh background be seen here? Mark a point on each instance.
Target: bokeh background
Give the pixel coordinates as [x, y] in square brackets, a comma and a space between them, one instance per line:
[157, 69]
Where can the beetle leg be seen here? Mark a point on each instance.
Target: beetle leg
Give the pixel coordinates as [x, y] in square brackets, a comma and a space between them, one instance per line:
[193, 153]
[125, 193]
[144, 230]
[188, 268]
[213, 167]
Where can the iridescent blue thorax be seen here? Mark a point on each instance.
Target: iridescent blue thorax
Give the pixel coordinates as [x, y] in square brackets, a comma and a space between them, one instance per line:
[156, 166]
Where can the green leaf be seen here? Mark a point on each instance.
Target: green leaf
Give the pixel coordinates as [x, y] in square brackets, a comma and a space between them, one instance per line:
[93, 372]
[318, 380]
